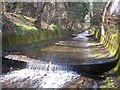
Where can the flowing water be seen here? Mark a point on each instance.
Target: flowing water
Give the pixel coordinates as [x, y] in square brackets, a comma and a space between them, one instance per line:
[39, 76]
[50, 73]
[82, 36]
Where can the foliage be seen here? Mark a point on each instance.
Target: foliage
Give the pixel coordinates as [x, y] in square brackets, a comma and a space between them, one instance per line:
[16, 33]
[79, 11]
[111, 42]
[109, 83]
[53, 27]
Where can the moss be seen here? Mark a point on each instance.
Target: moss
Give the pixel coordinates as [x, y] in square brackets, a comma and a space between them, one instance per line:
[109, 83]
[102, 40]
[54, 27]
[30, 19]
[17, 23]
[24, 34]
[117, 68]
[26, 27]
[114, 44]
[27, 37]
[111, 42]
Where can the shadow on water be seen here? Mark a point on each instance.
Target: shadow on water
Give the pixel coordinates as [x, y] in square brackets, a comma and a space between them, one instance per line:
[24, 44]
[11, 65]
[31, 40]
[75, 53]
[59, 57]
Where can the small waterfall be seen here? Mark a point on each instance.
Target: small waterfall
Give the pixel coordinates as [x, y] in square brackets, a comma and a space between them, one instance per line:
[37, 75]
[48, 67]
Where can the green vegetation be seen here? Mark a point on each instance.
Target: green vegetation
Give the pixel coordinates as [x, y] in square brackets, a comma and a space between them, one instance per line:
[117, 70]
[30, 19]
[54, 27]
[25, 23]
[16, 24]
[109, 83]
[26, 27]
[111, 42]
[22, 17]
[24, 32]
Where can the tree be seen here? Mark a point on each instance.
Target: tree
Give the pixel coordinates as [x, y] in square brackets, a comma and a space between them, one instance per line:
[104, 16]
[40, 9]
[76, 12]
[97, 11]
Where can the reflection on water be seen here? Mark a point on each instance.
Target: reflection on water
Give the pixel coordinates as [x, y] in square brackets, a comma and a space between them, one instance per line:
[69, 51]
[51, 74]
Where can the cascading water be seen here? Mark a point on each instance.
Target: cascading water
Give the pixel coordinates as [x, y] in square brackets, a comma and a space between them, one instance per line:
[48, 67]
[39, 76]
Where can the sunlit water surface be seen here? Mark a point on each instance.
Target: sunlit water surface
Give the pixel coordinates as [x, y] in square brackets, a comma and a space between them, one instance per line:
[38, 76]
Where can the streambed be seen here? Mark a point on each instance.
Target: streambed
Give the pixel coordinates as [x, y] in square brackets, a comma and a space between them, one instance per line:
[49, 74]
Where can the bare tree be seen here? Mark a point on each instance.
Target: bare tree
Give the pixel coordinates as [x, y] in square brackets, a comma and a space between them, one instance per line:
[40, 9]
[104, 17]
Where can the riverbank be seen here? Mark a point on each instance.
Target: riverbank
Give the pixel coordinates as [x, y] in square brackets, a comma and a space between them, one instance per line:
[56, 51]
[18, 29]
[34, 42]
[111, 42]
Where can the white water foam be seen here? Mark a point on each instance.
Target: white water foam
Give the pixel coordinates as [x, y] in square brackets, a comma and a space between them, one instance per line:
[32, 77]
[48, 67]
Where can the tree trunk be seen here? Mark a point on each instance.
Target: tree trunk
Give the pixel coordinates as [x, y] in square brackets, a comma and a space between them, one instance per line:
[40, 9]
[4, 5]
[38, 21]
[104, 17]
[48, 16]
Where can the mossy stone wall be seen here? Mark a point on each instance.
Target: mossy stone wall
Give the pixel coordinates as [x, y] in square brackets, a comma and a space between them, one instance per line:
[29, 37]
[110, 40]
